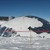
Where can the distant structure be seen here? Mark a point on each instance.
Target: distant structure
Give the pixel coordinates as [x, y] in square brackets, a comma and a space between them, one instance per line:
[6, 18]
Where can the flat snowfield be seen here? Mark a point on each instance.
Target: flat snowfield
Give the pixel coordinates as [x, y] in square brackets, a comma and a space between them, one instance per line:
[24, 43]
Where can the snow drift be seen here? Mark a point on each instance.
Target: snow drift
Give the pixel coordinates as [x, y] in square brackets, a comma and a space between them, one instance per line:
[23, 23]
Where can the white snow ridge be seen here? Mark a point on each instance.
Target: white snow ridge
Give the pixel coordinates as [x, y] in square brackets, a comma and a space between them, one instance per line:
[22, 24]
[20, 37]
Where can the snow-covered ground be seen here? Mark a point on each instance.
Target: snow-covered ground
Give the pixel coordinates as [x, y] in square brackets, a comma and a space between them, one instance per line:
[2, 22]
[21, 25]
[22, 43]
[28, 40]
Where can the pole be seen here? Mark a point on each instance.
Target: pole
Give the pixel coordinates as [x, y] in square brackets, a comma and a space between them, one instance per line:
[30, 40]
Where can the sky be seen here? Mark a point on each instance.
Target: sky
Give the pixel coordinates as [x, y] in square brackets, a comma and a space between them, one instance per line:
[40, 8]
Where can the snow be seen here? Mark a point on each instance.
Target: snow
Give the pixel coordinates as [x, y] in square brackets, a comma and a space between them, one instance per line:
[2, 22]
[22, 24]
[14, 47]
[7, 43]
[45, 34]
[3, 49]
[23, 42]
